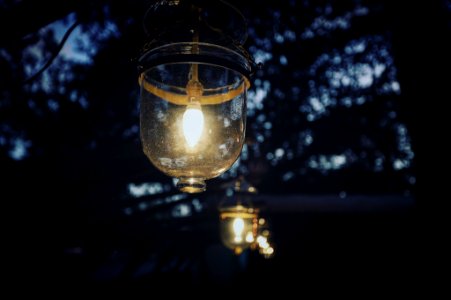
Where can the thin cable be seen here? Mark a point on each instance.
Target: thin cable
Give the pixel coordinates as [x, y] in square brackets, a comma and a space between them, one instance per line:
[54, 55]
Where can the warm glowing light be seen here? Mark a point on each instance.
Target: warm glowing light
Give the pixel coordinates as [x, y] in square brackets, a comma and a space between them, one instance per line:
[261, 239]
[238, 239]
[238, 227]
[262, 242]
[249, 237]
[267, 252]
[252, 189]
[194, 74]
[193, 124]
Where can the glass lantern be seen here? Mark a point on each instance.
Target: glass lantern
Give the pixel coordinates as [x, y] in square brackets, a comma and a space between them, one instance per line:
[238, 220]
[238, 227]
[193, 80]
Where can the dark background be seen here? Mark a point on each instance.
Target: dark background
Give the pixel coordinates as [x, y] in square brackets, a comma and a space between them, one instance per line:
[332, 147]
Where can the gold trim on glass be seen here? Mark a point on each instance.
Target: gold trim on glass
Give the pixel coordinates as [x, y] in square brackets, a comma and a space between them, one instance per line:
[180, 99]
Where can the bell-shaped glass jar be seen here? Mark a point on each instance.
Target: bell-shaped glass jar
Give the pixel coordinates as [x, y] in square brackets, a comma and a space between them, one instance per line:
[238, 227]
[193, 111]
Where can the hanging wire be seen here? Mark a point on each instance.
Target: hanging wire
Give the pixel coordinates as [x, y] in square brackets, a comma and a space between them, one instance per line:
[54, 55]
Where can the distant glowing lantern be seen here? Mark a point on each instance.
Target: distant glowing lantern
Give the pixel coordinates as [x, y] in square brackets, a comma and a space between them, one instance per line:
[238, 227]
[238, 219]
[194, 76]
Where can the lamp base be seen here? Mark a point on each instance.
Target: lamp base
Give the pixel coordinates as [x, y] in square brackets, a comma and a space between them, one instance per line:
[191, 185]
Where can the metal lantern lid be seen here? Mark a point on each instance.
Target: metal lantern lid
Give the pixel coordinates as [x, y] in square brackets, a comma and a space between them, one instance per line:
[196, 31]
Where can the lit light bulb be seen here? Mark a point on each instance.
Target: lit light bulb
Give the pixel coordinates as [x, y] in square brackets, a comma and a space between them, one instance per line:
[238, 227]
[262, 242]
[249, 237]
[193, 124]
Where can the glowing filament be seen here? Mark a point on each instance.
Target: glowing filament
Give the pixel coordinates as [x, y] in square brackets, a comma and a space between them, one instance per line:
[193, 124]
[238, 228]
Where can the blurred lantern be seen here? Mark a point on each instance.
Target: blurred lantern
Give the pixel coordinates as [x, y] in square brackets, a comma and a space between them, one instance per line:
[238, 227]
[194, 75]
[238, 219]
